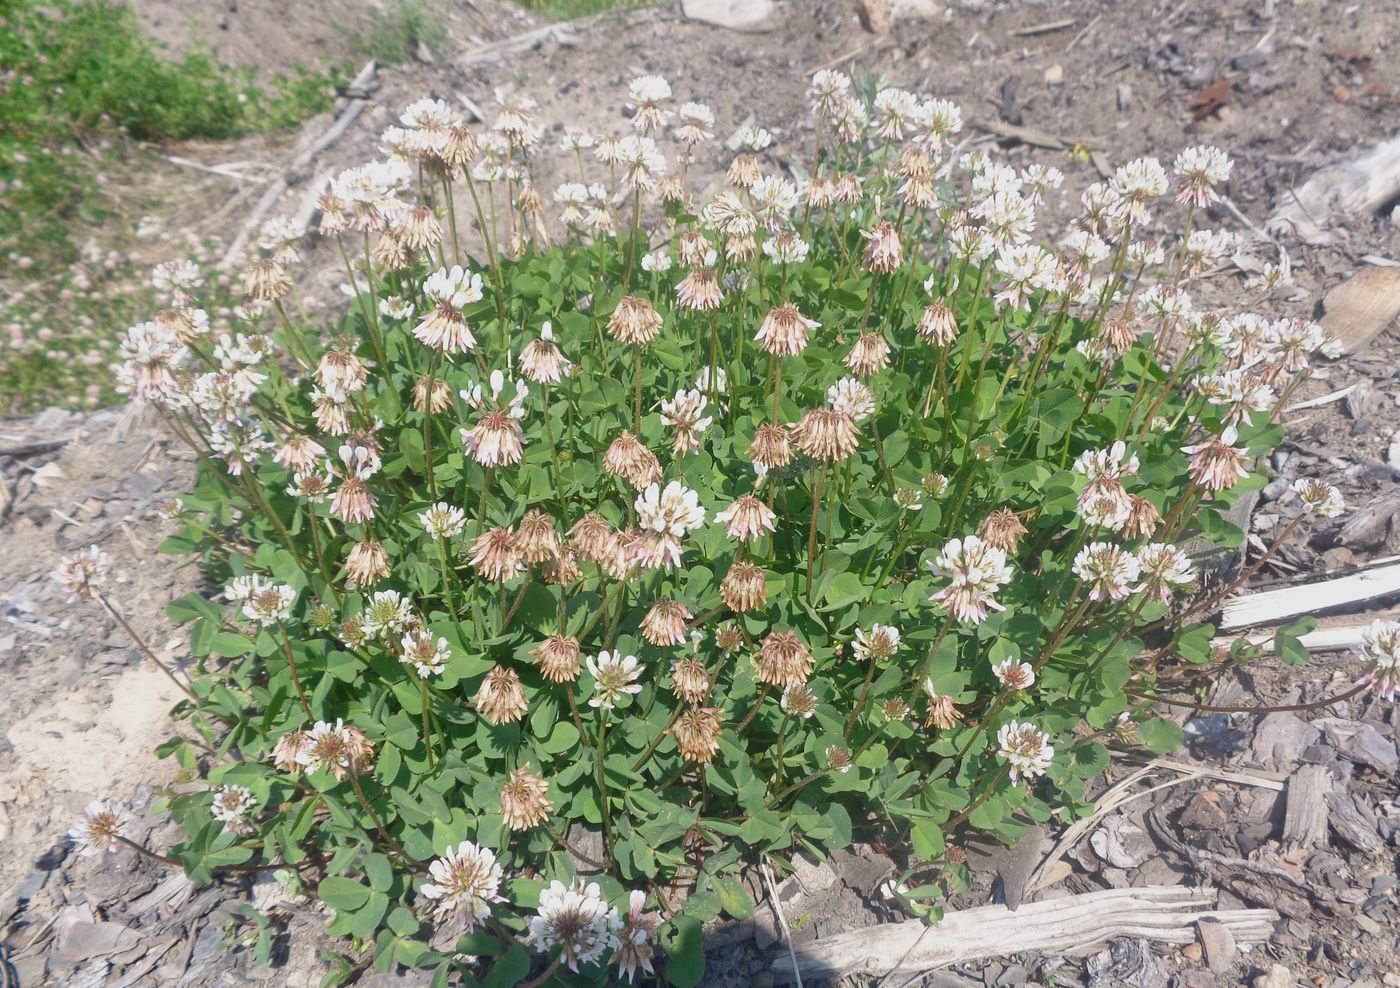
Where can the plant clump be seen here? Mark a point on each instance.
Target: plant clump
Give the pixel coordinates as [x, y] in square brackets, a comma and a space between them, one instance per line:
[670, 534]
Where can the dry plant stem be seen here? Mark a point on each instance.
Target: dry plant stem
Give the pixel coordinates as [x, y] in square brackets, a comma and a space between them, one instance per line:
[292, 667]
[812, 526]
[860, 703]
[143, 648]
[600, 760]
[637, 390]
[1208, 708]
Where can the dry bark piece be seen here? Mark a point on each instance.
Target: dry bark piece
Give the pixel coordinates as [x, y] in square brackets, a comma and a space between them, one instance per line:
[1353, 188]
[1360, 308]
[1210, 99]
[1354, 821]
[1305, 812]
[1159, 913]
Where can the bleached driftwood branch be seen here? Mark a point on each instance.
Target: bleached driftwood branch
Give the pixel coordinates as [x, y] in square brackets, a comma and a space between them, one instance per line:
[1162, 913]
[1353, 188]
[1273, 606]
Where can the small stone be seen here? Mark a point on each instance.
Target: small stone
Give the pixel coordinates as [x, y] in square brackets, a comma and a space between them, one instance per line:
[1280, 739]
[1015, 974]
[1383, 883]
[814, 877]
[737, 15]
[1123, 94]
[1278, 976]
[1055, 75]
[1193, 952]
[1219, 944]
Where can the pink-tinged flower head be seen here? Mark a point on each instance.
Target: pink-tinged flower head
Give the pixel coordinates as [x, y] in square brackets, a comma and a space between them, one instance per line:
[977, 570]
[443, 327]
[1381, 646]
[1216, 463]
[1014, 675]
[784, 331]
[1199, 170]
[497, 438]
[747, 519]
[83, 574]
[103, 825]
[1026, 747]
[635, 937]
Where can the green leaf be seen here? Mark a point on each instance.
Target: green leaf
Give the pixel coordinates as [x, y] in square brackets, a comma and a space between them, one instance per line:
[1286, 642]
[342, 894]
[845, 589]
[733, 897]
[685, 964]
[511, 969]
[1160, 735]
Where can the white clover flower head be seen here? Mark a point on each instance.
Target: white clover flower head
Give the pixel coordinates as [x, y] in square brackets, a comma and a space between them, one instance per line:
[270, 605]
[1026, 748]
[386, 613]
[1216, 463]
[697, 123]
[443, 521]
[977, 570]
[642, 162]
[396, 307]
[1137, 183]
[232, 803]
[614, 675]
[896, 111]
[635, 934]
[755, 139]
[465, 882]
[935, 120]
[774, 197]
[426, 654]
[1199, 169]
[644, 98]
[715, 374]
[657, 261]
[1163, 568]
[1113, 463]
[105, 822]
[1007, 218]
[880, 642]
[786, 248]
[685, 413]
[1319, 497]
[828, 89]
[908, 499]
[84, 573]
[1381, 642]
[852, 397]
[577, 921]
[1109, 570]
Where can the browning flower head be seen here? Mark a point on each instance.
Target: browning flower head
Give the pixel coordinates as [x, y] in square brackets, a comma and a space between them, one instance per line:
[1002, 529]
[869, 355]
[798, 700]
[689, 680]
[432, 395]
[300, 454]
[1143, 518]
[266, 280]
[635, 935]
[1380, 645]
[783, 659]
[1218, 463]
[525, 800]
[884, 252]
[744, 171]
[353, 501]
[879, 643]
[1118, 334]
[838, 759]
[501, 697]
[895, 709]
[699, 290]
[634, 322]
[105, 822]
[542, 361]
[1026, 748]
[562, 568]
[1014, 675]
[771, 448]
[443, 327]
[465, 882]
[747, 519]
[697, 734]
[335, 748]
[628, 458]
[366, 565]
[826, 434]
[784, 331]
[496, 439]
[685, 414]
[558, 658]
[729, 639]
[496, 556]
[536, 538]
[942, 712]
[665, 623]
[593, 538]
[744, 587]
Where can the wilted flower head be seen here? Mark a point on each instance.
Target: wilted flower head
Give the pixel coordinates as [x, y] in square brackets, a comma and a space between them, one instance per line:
[634, 321]
[576, 920]
[697, 734]
[1381, 646]
[771, 448]
[1216, 463]
[784, 331]
[942, 712]
[690, 681]
[869, 355]
[103, 825]
[1002, 529]
[665, 623]
[1162, 569]
[782, 659]
[443, 327]
[525, 800]
[542, 361]
[626, 457]
[1027, 748]
[495, 556]
[747, 519]
[558, 658]
[465, 881]
[884, 252]
[635, 935]
[335, 748]
[744, 587]
[501, 697]
[827, 434]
